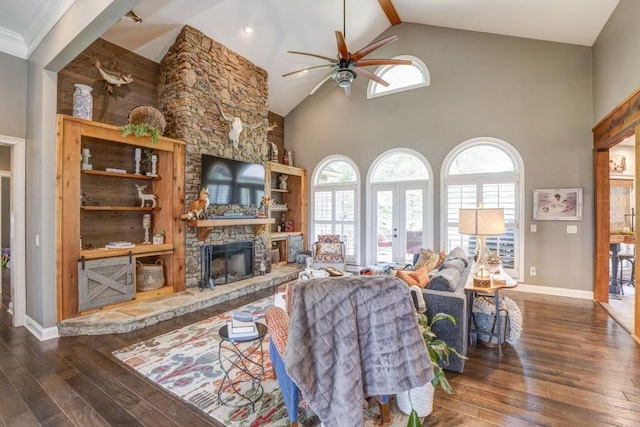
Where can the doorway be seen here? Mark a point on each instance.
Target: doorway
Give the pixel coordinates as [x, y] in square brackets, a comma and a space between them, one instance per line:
[399, 206]
[17, 234]
[622, 122]
[398, 220]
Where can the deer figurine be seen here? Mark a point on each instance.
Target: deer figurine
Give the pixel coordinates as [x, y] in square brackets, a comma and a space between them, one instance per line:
[145, 197]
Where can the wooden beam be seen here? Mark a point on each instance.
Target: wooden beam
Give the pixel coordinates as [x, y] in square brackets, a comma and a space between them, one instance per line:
[389, 9]
[618, 124]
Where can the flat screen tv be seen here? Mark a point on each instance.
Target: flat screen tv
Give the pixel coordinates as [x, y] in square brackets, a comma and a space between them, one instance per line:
[232, 182]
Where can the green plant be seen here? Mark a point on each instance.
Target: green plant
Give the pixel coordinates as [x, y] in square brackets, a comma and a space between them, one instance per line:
[159, 233]
[140, 130]
[438, 350]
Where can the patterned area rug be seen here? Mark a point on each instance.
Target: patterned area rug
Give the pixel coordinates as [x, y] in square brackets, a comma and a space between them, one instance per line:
[185, 362]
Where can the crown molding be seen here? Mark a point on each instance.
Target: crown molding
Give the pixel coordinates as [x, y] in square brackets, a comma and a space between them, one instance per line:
[45, 18]
[12, 43]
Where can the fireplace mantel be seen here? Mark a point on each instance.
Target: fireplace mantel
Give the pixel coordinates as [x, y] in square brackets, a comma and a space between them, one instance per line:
[205, 226]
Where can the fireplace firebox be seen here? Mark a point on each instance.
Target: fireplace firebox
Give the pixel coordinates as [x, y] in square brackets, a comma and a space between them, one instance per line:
[226, 263]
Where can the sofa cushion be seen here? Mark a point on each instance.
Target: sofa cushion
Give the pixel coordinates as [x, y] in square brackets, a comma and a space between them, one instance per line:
[446, 279]
[458, 253]
[456, 263]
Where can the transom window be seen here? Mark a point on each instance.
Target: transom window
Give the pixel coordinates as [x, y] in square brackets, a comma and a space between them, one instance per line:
[485, 172]
[400, 77]
[335, 201]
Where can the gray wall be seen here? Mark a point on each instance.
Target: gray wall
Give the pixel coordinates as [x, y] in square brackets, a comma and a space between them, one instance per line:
[13, 102]
[616, 59]
[83, 23]
[535, 95]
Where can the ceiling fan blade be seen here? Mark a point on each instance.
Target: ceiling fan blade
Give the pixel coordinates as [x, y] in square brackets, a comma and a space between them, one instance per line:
[370, 75]
[333, 60]
[347, 90]
[342, 45]
[373, 46]
[323, 81]
[316, 67]
[368, 62]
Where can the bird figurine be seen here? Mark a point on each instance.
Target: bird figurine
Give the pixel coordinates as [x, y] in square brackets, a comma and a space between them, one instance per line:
[133, 16]
[113, 78]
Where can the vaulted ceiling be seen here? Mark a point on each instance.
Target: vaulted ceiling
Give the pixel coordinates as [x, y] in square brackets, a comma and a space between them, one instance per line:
[307, 25]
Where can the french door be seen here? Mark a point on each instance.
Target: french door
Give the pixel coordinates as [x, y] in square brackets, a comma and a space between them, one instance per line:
[398, 220]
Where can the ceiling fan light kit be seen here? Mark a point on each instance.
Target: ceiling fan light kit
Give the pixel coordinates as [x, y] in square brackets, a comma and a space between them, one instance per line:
[345, 77]
[343, 69]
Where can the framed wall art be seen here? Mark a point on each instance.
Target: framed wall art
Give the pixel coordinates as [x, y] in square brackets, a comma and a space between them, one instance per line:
[559, 204]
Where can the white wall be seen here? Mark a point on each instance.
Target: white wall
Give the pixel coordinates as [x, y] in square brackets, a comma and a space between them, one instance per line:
[535, 95]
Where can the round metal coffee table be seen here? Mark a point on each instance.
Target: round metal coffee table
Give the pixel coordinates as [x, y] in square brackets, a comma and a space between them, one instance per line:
[242, 361]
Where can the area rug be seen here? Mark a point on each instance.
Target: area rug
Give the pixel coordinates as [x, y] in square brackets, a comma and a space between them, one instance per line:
[185, 363]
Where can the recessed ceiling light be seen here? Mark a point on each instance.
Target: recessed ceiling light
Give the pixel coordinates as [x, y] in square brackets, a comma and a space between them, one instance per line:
[248, 29]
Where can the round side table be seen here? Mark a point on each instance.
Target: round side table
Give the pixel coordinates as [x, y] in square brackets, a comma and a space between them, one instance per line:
[242, 354]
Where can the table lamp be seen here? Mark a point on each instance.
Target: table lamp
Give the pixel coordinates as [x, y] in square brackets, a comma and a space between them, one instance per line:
[481, 222]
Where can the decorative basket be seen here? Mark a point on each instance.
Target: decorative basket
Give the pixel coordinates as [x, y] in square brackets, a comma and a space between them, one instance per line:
[149, 277]
[149, 116]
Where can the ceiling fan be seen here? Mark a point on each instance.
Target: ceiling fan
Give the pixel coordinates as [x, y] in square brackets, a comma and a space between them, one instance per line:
[346, 66]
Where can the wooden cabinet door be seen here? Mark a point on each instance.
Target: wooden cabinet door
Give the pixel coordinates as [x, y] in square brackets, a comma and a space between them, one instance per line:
[104, 281]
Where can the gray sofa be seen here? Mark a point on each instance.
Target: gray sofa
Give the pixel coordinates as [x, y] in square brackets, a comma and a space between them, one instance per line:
[445, 294]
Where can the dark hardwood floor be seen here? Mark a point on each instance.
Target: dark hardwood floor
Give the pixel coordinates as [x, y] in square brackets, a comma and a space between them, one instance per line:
[573, 365]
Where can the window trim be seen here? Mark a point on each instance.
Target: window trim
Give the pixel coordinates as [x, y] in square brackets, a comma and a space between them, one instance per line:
[416, 62]
[519, 172]
[322, 164]
[428, 217]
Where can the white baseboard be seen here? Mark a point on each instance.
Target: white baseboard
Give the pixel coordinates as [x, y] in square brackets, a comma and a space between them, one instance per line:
[558, 292]
[38, 331]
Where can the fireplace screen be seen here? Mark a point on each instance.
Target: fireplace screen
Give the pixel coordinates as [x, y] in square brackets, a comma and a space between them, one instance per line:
[227, 263]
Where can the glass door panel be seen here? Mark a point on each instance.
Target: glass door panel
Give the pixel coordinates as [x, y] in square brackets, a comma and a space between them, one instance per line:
[383, 225]
[413, 223]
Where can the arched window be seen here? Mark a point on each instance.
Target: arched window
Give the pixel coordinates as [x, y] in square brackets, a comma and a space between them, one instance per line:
[485, 172]
[399, 77]
[399, 206]
[335, 201]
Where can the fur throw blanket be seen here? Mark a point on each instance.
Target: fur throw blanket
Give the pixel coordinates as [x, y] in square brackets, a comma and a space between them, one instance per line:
[353, 337]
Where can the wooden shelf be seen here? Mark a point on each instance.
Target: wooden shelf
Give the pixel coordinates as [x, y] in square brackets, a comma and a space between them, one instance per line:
[118, 208]
[277, 190]
[284, 235]
[279, 209]
[206, 225]
[139, 249]
[119, 175]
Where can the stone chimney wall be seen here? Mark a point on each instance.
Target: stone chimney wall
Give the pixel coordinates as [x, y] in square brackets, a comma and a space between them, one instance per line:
[195, 74]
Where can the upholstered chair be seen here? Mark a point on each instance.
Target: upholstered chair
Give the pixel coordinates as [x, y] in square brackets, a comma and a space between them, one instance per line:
[329, 251]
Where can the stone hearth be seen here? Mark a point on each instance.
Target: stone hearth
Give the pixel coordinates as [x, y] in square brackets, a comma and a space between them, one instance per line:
[139, 314]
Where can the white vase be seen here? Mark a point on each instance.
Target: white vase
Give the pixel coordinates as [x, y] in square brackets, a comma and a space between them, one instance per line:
[82, 101]
[421, 400]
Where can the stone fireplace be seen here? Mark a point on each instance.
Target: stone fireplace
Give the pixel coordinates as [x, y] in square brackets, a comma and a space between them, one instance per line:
[196, 74]
[226, 263]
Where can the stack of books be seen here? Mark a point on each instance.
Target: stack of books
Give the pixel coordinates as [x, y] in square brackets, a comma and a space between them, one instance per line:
[119, 245]
[242, 325]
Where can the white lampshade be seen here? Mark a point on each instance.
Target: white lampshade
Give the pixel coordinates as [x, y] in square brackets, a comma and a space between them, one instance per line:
[481, 221]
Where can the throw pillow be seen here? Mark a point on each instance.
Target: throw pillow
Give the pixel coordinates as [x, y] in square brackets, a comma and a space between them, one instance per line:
[443, 255]
[278, 324]
[428, 258]
[406, 276]
[330, 249]
[421, 276]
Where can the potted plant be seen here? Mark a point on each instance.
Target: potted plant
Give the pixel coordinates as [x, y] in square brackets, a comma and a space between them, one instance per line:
[158, 237]
[140, 130]
[418, 402]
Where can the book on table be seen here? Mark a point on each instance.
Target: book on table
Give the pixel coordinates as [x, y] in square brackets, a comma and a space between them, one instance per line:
[249, 334]
[242, 322]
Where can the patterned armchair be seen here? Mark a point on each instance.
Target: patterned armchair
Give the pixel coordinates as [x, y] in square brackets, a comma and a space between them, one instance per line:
[329, 251]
